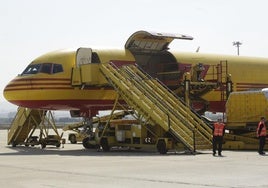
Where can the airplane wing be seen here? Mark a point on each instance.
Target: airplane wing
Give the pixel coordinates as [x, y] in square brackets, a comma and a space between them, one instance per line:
[152, 41]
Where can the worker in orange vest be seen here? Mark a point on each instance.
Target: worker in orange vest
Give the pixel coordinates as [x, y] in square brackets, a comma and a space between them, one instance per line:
[261, 134]
[218, 133]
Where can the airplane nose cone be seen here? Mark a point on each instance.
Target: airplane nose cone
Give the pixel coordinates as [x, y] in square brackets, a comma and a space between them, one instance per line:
[12, 93]
[7, 92]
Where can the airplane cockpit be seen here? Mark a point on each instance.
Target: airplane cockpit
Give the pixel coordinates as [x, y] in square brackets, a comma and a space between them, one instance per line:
[48, 68]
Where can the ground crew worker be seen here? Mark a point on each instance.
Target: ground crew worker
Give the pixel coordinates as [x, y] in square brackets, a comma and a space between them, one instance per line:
[197, 72]
[218, 133]
[261, 134]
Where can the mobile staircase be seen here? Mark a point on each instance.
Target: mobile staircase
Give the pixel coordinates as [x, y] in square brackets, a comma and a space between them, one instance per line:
[158, 105]
[25, 121]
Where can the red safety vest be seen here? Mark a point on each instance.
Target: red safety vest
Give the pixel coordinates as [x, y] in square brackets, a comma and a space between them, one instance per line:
[218, 129]
[263, 130]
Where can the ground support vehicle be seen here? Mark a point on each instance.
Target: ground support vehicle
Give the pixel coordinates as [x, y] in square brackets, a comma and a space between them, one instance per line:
[84, 131]
[243, 112]
[131, 134]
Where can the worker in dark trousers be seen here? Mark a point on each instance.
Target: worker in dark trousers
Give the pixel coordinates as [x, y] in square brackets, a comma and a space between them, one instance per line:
[261, 134]
[218, 133]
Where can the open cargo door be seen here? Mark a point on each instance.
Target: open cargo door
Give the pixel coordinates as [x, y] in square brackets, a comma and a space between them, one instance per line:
[152, 41]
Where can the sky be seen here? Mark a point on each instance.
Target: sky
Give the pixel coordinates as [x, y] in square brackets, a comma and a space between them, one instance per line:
[30, 28]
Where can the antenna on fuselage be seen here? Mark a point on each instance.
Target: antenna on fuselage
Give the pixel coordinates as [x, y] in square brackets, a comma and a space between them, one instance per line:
[197, 50]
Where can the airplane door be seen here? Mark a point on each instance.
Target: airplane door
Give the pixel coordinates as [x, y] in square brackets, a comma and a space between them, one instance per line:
[86, 73]
[83, 56]
[152, 41]
[150, 50]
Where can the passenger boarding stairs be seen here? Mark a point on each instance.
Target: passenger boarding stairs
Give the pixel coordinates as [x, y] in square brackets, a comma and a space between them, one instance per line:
[159, 105]
[24, 122]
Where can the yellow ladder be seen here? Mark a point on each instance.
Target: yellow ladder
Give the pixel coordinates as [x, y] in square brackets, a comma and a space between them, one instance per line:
[156, 103]
[24, 121]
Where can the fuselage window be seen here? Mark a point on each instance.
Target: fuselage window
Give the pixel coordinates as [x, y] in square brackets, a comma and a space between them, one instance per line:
[32, 69]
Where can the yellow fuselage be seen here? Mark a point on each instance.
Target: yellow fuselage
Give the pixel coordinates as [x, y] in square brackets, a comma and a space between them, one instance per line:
[55, 91]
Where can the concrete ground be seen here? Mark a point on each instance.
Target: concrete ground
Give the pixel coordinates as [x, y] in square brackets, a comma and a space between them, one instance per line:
[74, 166]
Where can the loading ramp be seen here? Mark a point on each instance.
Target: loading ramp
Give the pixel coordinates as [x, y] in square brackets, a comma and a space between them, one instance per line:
[158, 105]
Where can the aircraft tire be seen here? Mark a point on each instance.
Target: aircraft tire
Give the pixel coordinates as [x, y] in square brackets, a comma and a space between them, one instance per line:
[58, 145]
[86, 143]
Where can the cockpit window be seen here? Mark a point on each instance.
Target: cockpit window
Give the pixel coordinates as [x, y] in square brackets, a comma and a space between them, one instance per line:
[48, 68]
[32, 69]
[57, 68]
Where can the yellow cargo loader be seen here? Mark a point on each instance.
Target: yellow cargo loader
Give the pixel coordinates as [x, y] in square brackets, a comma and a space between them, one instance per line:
[244, 109]
[243, 112]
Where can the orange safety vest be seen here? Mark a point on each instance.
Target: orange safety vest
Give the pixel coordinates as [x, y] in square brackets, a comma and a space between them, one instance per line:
[218, 129]
[263, 130]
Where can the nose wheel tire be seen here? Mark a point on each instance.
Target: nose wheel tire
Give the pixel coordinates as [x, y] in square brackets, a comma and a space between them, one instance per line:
[87, 144]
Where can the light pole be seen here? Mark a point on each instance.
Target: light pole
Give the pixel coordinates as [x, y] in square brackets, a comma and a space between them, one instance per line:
[237, 44]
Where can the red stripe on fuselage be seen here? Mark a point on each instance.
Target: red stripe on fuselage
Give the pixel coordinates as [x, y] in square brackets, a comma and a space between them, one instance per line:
[67, 104]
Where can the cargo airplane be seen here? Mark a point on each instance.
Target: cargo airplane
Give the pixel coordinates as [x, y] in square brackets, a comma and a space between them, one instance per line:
[53, 81]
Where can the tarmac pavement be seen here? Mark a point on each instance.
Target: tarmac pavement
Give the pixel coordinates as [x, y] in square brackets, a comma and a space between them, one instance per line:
[74, 166]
